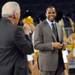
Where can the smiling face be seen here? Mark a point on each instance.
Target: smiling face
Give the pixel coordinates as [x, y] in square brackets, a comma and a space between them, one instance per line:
[51, 13]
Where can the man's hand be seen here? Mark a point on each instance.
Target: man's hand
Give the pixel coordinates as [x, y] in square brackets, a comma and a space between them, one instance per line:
[57, 45]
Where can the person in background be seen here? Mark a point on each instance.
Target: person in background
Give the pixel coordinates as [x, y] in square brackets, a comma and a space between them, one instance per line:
[29, 28]
[14, 44]
[28, 25]
[48, 39]
[68, 25]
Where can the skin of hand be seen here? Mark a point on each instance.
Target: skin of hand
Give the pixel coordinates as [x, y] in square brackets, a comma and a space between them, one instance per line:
[57, 45]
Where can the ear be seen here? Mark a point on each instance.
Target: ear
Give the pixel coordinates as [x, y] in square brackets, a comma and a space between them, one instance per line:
[46, 14]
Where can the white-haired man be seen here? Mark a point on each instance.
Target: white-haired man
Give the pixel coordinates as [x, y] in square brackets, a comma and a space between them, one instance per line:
[14, 44]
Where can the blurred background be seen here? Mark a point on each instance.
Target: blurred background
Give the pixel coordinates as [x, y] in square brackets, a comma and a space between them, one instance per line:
[35, 8]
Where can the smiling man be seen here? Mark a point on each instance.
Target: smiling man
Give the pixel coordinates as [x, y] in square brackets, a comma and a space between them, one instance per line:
[48, 40]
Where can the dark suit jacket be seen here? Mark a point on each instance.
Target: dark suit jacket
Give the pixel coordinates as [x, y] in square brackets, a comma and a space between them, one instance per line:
[43, 38]
[14, 46]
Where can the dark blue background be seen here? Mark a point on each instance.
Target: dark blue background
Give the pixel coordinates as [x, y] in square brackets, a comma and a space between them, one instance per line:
[36, 8]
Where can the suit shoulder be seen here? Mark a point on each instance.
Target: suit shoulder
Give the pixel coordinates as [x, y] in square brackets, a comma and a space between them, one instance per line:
[40, 24]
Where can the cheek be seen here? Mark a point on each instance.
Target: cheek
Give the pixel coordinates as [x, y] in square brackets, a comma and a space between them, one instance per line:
[17, 20]
[55, 15]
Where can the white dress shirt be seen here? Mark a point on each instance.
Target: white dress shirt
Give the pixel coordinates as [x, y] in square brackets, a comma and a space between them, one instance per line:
[50, 23]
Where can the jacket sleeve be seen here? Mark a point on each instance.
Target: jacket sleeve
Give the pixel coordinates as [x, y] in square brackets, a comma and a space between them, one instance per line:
[23, 42]
[39, 40]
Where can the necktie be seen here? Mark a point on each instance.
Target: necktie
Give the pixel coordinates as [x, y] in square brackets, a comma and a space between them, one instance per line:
[54, 28]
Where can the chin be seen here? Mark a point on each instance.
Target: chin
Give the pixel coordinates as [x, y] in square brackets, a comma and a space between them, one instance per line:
[51, 19]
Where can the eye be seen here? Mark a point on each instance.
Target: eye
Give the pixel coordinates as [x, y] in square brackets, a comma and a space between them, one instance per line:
[51, 12]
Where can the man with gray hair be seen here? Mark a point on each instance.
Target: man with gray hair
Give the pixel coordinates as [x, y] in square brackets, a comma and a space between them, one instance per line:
[11, 9]
[14, 44]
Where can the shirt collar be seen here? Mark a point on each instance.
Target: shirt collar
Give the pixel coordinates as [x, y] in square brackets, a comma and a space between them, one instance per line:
[49, 22]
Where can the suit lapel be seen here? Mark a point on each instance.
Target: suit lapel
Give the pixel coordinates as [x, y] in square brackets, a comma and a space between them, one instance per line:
[49, 30]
